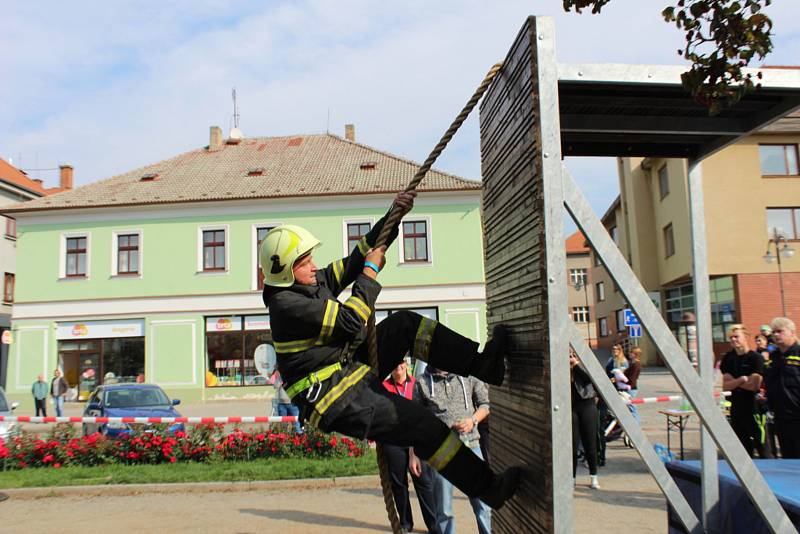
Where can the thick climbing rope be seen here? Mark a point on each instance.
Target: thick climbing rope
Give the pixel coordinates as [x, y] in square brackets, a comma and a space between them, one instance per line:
[391, 222]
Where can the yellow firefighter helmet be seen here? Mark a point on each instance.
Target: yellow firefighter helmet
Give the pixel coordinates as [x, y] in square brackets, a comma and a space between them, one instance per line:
[280, 249]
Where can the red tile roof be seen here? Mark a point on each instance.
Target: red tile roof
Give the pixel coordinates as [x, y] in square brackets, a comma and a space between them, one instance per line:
[14, 176]
[266, 167]
[576, 244]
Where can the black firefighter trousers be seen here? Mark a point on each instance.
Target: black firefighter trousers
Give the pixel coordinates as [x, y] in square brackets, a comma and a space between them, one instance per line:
[374, 413]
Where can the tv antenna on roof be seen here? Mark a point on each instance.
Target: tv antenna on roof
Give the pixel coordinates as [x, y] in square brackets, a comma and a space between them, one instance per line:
[236, 133]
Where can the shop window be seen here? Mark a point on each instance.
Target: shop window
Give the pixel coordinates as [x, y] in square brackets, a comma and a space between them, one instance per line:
[600, 291]
[577, 277]
[785, 221]
[261, 233]
[11, 228]
[8, 288]
[678, 300]
[128, 254]
[76, 257]
[213, 250]
[778, 160]
[602, 326]
[88, 363]
[236, 347]
[355, 231]
[669, 241]
[663, 181]
[580, 314]
[415, 241]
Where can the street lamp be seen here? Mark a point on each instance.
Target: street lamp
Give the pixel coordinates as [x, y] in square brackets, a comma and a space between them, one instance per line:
[786, 252]
[581, 283]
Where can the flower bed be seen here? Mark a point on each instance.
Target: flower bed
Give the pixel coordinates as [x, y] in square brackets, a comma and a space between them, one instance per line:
[203, 443]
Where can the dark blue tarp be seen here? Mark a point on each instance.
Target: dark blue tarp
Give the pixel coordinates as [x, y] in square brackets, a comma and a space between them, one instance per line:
[736, 512]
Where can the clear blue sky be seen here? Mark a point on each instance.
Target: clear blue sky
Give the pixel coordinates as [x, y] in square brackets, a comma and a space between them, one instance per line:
[112, 85]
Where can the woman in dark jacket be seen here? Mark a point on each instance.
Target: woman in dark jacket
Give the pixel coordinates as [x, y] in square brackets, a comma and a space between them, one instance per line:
[584, 419]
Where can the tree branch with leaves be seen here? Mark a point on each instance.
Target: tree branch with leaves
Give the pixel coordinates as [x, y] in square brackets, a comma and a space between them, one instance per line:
[722, 38]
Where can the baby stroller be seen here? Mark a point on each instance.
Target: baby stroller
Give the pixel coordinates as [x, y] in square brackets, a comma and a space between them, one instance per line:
[609, 425]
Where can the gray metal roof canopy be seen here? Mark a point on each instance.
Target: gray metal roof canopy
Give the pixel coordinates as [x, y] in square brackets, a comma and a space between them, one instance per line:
[643, 110]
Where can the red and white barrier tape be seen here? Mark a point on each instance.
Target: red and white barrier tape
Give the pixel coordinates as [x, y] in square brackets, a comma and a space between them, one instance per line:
[668, 398]
[154, 420]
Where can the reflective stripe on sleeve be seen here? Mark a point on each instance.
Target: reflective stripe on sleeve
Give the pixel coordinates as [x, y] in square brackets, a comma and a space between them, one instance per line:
[359, 306]
[328, 321]
[338, 269]
[288, 347]
[363, 246]
[422, 343]
[446, 451]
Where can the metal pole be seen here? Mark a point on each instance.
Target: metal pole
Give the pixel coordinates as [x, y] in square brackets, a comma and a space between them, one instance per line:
[780, 273]
[703, 337]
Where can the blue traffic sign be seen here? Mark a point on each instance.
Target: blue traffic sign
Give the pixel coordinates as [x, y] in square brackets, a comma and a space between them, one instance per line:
[631, 319]
[635, 331]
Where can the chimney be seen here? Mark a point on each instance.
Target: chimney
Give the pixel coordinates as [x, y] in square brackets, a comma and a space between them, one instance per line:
[65, 176]
[215, 142]
[350, 132]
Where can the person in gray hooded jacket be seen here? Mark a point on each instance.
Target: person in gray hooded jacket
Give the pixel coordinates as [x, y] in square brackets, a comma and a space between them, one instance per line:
[460, 403]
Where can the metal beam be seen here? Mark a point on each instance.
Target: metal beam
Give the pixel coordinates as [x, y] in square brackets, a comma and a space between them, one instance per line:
[549, 145]
[634, 431]
[704, 404]
[709, 477]
[653, 124]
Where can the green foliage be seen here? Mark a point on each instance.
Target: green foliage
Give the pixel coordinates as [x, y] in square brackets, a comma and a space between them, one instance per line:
[722, 37]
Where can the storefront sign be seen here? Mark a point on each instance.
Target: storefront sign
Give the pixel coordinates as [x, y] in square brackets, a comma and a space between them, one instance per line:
[223, 324]
[100, 329]
[256, 322]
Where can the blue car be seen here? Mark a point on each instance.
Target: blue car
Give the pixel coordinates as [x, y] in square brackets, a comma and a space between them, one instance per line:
[128, 400]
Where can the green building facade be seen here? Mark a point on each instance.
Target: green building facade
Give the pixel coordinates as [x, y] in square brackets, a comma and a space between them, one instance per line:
[153, 275]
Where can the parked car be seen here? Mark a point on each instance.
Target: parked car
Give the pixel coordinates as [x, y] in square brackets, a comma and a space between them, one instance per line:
[7, 430]
[128, 400]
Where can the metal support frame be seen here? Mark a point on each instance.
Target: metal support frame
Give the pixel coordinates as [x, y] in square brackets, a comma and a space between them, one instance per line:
[546, 81]
[709, 478]
[689, 381]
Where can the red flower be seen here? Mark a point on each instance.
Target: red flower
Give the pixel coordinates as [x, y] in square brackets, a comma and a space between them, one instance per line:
[172, 459]
[57, 465]
[47, 459]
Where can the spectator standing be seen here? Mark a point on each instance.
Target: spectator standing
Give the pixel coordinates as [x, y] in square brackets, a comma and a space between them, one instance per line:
[285, 407]
[766, 331]
[460, 403]
[58, 390]
[403, 459]
[632, 374]
[584, 420]
[783, 386]
[742, 374]
[39, 391]
[762, 347]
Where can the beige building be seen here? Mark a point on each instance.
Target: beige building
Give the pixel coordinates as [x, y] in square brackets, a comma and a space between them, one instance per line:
[580, 296]
[751, 190]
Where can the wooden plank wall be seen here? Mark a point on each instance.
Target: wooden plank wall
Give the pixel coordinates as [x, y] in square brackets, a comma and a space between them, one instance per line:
[516, 295]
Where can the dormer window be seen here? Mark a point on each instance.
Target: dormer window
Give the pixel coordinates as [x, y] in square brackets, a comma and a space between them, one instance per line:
[255, 171]
[368, 165]
[149, 177]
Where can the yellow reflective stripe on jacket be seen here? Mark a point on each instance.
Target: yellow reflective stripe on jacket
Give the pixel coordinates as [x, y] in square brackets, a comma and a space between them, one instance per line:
[446, 451]
[338, 269]
[359, 306]
[422, 343]
[339, 389]
[287, 347]
[363, 246]
[328, 321]
[793, 359]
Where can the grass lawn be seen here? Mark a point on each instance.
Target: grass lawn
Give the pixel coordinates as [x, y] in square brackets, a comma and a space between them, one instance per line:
[268, 469]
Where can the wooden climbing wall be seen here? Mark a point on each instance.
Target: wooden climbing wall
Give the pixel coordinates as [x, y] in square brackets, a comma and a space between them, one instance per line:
[514, 248]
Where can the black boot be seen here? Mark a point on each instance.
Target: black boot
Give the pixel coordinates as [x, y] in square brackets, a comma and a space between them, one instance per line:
[502, 488]
[490, 365]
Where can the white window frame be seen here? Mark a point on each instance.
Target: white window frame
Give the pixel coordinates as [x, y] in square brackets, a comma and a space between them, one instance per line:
[619, 317]
[62, 256]
[580, 312]
[115, 252]
[209, 228]
[254, 250]
[583, 274]
[600, 291]
[345, 222]
[602, 326]
[400, 249]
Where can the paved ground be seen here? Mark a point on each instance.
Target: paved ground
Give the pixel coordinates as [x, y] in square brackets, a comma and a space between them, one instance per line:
[628, 495]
